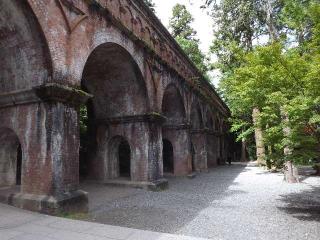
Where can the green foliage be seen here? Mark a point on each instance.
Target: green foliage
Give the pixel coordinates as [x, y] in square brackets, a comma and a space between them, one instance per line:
[191, 48]
[280, 77]
[185, 35]
[180, 23]
[237, 24]
[296, 19]
[278, 80]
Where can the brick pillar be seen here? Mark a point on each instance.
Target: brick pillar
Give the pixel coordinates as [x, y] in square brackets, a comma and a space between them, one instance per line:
[179, 136]
[212, 149]
[143, 134]
[222, 149]
[199, 141]
[47, 126]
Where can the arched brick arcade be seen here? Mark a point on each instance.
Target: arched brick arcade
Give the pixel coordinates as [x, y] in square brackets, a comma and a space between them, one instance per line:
[198, 138]
[144, 109]
[176, 129]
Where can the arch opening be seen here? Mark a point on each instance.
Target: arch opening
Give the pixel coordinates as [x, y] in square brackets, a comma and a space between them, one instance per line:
[193, 158]
[172, 106]
[196, 116]
[114, 79]
[210, 121]
[24, 54]
[168, 163]
[19, 165]
[119, 158]
[124, 156]
[10, 159]
[87, 139]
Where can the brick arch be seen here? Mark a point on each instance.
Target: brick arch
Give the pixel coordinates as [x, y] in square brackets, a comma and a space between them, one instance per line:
[196, 118]
[114, 78]
[113, 163]
[217, 123]
[172, 105]
[209, 120]
[10, 158]
[24, 55]
[97, 38]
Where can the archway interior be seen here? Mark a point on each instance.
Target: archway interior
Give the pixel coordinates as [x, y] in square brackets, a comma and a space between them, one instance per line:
[217, 124]
[19, 165]
[24, 58]
[10, 159]
[87, 138]
[209, 123]
[193, 158]
[114, 79]
[172, 106]
[124, 159]
[196, 116]
[168, 164]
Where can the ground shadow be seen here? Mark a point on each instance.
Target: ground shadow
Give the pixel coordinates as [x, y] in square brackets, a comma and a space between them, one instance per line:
[166, 211]
[304, 205]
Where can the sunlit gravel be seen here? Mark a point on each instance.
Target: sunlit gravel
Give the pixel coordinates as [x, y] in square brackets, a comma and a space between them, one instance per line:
[230, 202]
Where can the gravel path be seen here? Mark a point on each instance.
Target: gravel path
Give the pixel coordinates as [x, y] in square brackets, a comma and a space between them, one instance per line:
[237, 202]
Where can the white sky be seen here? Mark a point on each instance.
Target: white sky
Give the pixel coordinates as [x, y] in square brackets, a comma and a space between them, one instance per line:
[203, 23]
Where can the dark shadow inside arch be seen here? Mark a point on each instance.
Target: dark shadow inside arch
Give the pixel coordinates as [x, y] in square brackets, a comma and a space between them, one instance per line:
[19, 165]
[124, 155]
[114, 79]
[87, 139]
[10, 159]
[217, 124]
[173, 106]
[119, 158]
[209, 122]
[196, 116]
[168, 164]
[24, 55]
[193, 158]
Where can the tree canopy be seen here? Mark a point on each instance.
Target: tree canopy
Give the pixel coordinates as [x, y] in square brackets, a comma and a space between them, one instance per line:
[185, 35]
[268, 53]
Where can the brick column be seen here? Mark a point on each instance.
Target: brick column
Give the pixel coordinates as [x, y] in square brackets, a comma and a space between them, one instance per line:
[199, 141]
[143, 133]
[46, 122]
[179, 136]
[212, 148]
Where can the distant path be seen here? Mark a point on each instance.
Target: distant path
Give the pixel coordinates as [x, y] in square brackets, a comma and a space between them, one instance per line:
[236, 202]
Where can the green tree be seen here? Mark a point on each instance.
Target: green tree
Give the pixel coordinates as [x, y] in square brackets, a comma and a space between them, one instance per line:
[280, 78]
[180, 23]
[185, 35]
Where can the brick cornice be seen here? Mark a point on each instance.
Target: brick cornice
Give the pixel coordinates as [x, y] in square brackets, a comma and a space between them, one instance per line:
[177, 127]
[51, 92]
[149, 117]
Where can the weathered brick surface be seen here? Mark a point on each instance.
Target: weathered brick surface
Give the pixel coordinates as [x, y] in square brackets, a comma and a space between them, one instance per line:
[121, 54]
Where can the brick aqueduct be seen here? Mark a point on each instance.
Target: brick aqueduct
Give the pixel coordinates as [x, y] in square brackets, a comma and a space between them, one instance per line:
[149, 110]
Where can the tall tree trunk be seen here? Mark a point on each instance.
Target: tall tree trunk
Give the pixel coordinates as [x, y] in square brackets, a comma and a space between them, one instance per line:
[273, 33]
[258, 137]
[243, 150]
[290, 171]
[269, 161]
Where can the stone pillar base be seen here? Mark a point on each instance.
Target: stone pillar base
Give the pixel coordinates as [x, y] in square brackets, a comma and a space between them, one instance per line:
[158, 185]
[72, 202]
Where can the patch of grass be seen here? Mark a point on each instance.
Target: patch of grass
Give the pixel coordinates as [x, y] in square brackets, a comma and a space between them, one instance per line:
[75, 216]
